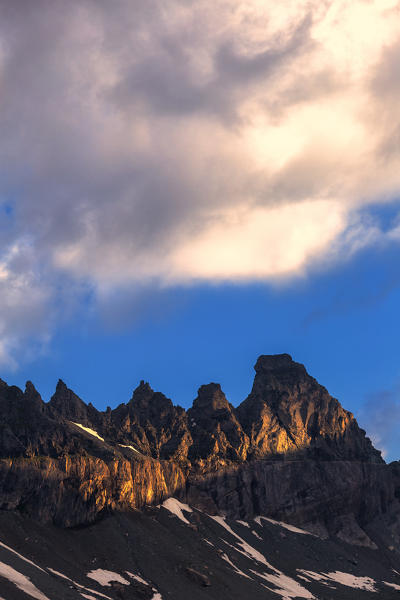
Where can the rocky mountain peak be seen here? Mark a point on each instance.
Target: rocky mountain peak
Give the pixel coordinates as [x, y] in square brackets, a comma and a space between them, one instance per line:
[288, 411]
[142, 395]
[61, 387]
[30, 389]
[32, 400]
[67, 404]
[268, 362]
[278, 369]
[210, 397]
[29, 386]
[216, 432]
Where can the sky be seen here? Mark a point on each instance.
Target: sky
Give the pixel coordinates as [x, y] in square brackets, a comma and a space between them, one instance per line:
[187, 185]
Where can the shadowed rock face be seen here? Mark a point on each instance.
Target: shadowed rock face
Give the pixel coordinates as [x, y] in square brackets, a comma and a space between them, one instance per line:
[217, 434]
[289, 451]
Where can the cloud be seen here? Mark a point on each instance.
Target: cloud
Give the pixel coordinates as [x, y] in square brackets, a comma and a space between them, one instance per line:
[150, 144]
[380, 416]
[24, 306]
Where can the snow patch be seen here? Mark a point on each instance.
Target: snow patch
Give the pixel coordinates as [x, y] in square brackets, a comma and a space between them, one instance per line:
[286, 587]
[175, 507]
[88, 430]
[243, 523]
[21, 557]
[256, 534]
[247, 550]
[287, 526]
[59, 574]
[22, 582]
[87, 596]
[82, 587]
[157, 596]
[104, 577]
[234, 567]
[346, 579]
[131, 447]
[137, 578]
[393, 585]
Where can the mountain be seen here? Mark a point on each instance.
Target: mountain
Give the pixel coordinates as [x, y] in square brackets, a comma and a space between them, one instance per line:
[289, 453]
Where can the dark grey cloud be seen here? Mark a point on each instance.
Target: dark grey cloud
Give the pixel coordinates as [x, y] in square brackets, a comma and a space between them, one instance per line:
[167, 81]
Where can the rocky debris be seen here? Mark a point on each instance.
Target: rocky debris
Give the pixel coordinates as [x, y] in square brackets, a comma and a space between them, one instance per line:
[198, 577]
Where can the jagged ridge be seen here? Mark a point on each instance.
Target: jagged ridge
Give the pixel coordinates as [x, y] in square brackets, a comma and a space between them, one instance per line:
[289, 450]
[287, 412]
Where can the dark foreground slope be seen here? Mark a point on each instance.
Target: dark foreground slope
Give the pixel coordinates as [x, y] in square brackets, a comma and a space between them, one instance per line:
[155, 555]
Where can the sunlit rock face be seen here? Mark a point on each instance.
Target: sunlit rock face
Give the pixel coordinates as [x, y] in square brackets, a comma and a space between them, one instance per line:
[289, 451]
[164, 425]
[77, 489]
[288, 411]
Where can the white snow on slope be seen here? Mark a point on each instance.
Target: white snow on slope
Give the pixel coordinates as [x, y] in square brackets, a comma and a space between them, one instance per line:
[137, 578]
[287, 526]
[21, 556]
[286, 587]
[104, 577]
[247, 550]
[131, 447]
[347, 579]
[393, 585]
[87, 596]
[234, 567]
[82, 587]
[175, 507]
[243, 523]
[21, 581]
[88, 430]
[157, 596]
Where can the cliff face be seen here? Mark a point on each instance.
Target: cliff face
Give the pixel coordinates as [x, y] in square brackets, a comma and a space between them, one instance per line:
[289, 451]
[288, 412]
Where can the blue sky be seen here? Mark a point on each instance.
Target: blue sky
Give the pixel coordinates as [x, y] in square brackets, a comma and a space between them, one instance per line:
[343, 325]
[182, 190]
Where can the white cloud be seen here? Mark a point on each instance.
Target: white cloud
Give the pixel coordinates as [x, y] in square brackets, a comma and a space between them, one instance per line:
[260, 243]
[25, 305]
[199, 141]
